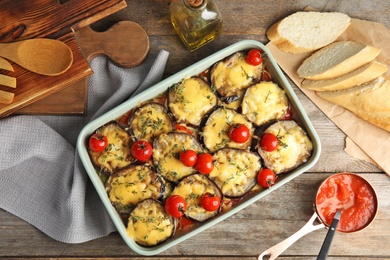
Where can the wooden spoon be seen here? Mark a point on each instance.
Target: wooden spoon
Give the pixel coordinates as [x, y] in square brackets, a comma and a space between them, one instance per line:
[43, 56]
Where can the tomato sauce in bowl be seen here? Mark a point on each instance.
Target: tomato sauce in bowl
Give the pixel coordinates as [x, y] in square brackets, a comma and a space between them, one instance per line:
[350, 193]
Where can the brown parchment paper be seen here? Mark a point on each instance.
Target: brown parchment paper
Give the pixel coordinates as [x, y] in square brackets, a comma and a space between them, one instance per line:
[374, 141]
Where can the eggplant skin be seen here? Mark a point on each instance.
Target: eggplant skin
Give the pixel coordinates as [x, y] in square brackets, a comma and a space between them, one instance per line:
[264, 102]
[233, 74]
[149, 121]
[216, 129]
[133, 184]
[117, 154]
[191, 99]
[235, 171]
[192, 188]
[149, 224]
[166, 151]
[294, 147]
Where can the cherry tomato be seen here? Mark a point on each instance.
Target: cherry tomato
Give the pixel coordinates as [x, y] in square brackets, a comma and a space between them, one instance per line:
[205, 163]
[175, 206]
[254, 57]
[188, 158]
[98, 143]
[266, 178]
[239, 133]
[269, 142]
[142, 150]
[210, 202]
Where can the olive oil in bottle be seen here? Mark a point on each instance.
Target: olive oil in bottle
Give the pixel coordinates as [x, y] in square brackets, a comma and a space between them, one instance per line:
[197, 22]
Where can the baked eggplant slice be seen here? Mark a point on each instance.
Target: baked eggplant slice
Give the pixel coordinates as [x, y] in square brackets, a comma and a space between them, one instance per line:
[149, 224]
[166, 151]
[233, 74]
[192, 188]
[264, 102]
[216, 130]
[133, 184]
[117, 154]
[235, 171]
[150, 120]
[294, 147]
[190, 100]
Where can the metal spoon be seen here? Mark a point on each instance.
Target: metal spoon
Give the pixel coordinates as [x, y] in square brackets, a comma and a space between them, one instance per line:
[43, 56]
[329, 236]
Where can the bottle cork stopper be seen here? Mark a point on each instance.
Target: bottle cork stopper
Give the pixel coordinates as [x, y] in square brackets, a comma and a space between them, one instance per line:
[195, 3]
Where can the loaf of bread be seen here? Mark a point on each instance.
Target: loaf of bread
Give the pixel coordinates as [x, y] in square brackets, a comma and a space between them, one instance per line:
[368, 101]
[363, 74]
[307, 31]
[337, 59]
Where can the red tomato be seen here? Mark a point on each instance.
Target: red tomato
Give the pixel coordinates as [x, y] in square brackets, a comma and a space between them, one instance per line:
[182, 128]
[254, 57]
[142, 150]
[98, 143]
[175, 206]
[125, 118]
[205, 163]
[266, 178]
[239, 133]
[188, 158]
[210, 202]
[185, 224]
[269, 142]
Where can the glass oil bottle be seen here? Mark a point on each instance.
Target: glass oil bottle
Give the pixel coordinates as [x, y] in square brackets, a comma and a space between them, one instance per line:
[197, 22]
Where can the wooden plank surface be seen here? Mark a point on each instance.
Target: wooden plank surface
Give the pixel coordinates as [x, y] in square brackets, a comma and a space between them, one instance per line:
[275, 216]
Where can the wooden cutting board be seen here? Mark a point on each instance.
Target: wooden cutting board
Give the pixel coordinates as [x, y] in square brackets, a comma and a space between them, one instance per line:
[49, 19]
[126, 43]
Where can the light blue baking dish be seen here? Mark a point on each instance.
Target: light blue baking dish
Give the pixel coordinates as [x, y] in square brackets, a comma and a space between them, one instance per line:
[277, 76]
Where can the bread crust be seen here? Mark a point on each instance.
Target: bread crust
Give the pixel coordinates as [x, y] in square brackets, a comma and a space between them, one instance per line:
[366, 55]
[356, 77]
[370, 102]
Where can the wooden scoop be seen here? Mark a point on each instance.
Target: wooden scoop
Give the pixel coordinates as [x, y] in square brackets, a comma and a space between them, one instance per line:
[43, 56]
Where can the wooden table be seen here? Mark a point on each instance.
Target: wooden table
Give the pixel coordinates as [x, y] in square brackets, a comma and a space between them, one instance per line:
[274, 217]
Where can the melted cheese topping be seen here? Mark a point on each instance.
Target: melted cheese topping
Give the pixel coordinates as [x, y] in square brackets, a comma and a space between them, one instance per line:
[294, 147]
[192, 189]
[216, 130]
[231, 76]
[117, 154]
[134, 185]
[149, 121]
[166, 155]
[149, 224]
[234, 169]
[191, 100]
[264, 102]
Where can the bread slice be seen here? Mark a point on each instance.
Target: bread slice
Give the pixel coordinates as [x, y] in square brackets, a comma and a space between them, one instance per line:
[363, 74]
[337, 59]
[307, 31]
[368, 101]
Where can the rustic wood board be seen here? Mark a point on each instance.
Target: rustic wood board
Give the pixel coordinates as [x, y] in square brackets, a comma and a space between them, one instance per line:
[50, 19]
[126, 43]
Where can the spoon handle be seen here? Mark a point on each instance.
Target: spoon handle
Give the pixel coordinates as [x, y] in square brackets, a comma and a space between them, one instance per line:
[329, 237]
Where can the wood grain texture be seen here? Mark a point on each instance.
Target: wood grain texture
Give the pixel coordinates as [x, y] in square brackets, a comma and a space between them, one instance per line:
[274, 217]
[48, 19]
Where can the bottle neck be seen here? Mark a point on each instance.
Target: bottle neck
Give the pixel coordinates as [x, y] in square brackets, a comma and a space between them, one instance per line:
[195, 4]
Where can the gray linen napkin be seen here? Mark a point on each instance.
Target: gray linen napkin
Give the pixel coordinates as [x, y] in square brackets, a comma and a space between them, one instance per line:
[42, 180]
